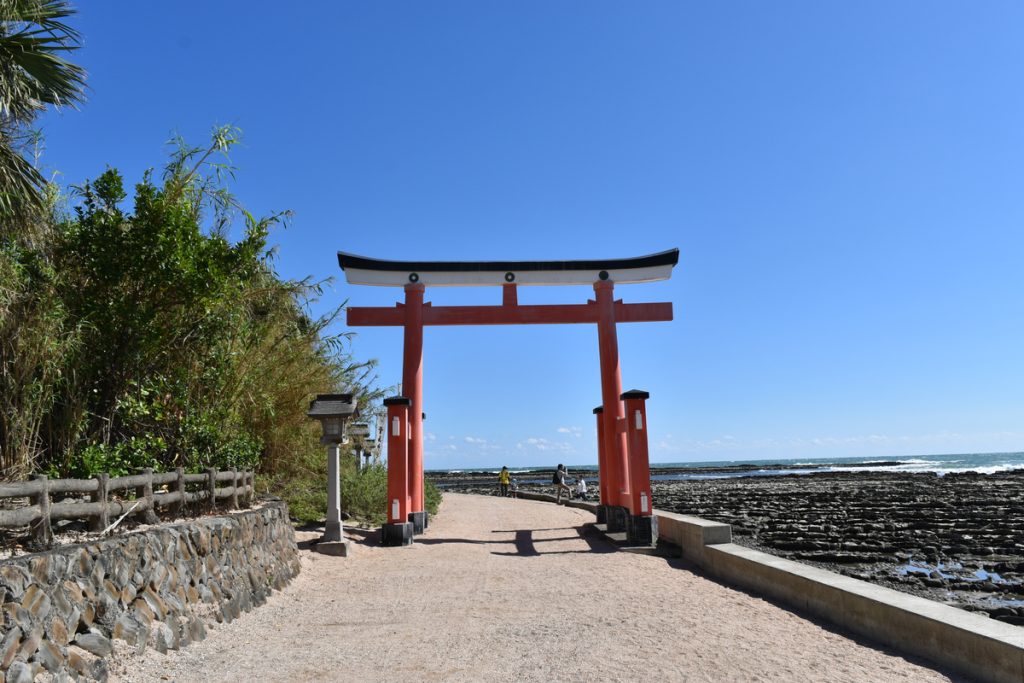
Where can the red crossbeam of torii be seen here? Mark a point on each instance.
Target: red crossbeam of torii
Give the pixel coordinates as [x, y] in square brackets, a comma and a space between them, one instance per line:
[624, 475]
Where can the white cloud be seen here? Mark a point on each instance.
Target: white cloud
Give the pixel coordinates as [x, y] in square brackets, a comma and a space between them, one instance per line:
[473, 439]
[539, 443]
[575, 431]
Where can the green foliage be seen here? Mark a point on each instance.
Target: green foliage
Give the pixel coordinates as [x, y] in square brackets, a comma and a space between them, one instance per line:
[431, 497]
[119, 459]
[365, 494]
[206, 444]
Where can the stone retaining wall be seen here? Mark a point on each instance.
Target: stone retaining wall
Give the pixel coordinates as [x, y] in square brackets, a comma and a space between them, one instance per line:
[157, 588]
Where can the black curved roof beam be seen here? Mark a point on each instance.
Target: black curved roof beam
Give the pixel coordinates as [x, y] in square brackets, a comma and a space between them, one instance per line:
[362, 270]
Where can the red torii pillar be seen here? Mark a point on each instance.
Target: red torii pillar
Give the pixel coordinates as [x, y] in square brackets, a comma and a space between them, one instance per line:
[412, 385]
[616, 453]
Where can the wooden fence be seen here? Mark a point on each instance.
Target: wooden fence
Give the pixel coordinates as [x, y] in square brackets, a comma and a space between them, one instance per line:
[185, 493]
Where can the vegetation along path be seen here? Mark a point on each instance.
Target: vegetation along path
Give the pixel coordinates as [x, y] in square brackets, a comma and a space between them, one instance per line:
[515, 590]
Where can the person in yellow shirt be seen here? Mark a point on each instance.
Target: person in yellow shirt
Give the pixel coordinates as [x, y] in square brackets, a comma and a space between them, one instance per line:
[503, 479]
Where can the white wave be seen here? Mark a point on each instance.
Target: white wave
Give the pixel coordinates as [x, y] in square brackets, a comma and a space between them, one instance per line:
[937, 468]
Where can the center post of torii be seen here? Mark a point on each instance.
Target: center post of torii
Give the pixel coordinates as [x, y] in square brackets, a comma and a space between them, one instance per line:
[623, 465]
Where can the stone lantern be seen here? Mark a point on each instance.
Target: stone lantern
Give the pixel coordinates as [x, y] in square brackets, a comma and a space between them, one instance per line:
[333, 410]
[360, 431]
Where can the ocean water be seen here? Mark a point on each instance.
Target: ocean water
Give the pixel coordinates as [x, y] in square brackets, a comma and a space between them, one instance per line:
[982, 463]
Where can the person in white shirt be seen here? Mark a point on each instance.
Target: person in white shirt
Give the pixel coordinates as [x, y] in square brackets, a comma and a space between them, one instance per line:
[581, 489]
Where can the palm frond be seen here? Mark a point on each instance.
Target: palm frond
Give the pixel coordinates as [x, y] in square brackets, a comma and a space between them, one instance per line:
[33, 72]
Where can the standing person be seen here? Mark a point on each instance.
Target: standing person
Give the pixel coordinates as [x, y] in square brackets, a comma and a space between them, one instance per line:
[503, 479]
[515, 487]
[581, 488]
[559, 481]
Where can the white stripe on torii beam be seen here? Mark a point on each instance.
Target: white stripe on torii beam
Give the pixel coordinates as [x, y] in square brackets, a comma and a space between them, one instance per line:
[395, 278]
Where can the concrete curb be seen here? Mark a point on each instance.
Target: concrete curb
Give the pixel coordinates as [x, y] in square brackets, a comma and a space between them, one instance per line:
[968, 643]
[976, 646]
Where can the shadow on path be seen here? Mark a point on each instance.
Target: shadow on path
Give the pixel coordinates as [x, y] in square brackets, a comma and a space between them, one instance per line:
[526, 545]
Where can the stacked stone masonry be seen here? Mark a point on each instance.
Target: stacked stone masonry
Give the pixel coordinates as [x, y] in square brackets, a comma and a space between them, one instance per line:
[157, 588]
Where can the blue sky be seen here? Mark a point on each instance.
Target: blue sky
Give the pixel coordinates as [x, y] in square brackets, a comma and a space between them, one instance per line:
[845, 182]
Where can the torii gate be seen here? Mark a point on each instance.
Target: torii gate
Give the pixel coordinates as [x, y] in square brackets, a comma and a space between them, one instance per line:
[623, 467]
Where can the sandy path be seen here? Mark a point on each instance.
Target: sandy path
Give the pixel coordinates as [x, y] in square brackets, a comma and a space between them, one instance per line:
[509, 590]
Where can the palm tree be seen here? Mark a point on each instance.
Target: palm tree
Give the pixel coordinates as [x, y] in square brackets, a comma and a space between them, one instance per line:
[33, 75]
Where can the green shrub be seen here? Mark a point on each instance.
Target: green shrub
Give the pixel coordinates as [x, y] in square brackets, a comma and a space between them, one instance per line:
[364, 494]
[120, 459]
[431, 497]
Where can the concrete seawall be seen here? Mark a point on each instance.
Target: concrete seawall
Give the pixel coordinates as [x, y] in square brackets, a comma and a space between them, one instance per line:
[971, 644]
[156, 588]
[974, 645]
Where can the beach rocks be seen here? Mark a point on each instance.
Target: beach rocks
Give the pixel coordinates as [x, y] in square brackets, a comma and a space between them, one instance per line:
[62, 609]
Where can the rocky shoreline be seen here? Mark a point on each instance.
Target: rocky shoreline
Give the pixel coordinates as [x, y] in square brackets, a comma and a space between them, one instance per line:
[957, 539]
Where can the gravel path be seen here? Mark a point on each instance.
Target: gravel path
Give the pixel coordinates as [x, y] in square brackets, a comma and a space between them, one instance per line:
[512, 590]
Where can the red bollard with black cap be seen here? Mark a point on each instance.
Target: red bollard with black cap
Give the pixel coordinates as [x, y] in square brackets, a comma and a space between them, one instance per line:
[642, 525]
[398, 530]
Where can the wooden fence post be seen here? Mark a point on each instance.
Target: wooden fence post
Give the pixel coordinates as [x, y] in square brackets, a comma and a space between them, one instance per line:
[211, 482]
[102, 519]
[250, 485]
[145, 492]
[179, 485]
[43, 532]
[234, 488]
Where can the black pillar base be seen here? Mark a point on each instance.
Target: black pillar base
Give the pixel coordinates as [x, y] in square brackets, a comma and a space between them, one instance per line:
[602, 514]
[617, 518]
[642, 530]
[419, 521]
[396, 534]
